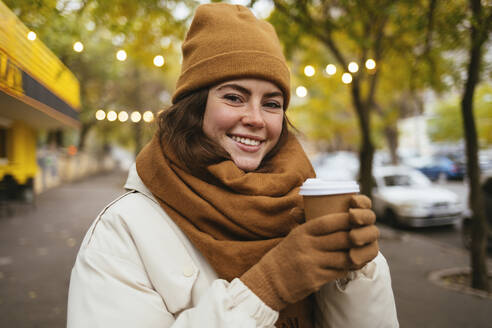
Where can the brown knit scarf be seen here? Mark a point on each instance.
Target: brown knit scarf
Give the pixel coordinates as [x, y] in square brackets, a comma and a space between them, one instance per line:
[237, 217]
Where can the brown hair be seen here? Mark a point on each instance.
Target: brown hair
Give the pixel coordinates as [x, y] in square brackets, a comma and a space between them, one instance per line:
[180, 127]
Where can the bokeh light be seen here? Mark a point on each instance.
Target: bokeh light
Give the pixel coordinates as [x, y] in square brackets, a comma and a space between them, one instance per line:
[136, 117]
[31, 36]
[78, 46]
[331, 69]
[100, 115]
[346, 78]
[121, 55]
[159, 61]
[112, 116]
[353, 67]
[370, 64]
[148, 116]
[301, 91]
[123, 116]
[309, 70]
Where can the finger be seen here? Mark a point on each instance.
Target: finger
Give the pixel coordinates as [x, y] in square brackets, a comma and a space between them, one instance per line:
[358, 267]
[327, 224]
[364, 235]
[333, 274]
[364, 254]
[339, 260]
[361, 217]
[335, 241]
[297, 214]
[360, 201]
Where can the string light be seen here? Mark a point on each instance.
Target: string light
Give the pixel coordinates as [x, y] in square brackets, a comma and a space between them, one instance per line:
[31, 36]
[346, 78]
[123, 116]
[148, 116]
[370, 64]
[78, 46]
[309, 70]
[121, 55]
[136, 117]
[112, 116]
[331, 69]
[353, 67]
[100, 115]
[159, 61]
[301, 91]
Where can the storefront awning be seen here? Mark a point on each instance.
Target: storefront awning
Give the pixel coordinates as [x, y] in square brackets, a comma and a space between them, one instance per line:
[35, 86]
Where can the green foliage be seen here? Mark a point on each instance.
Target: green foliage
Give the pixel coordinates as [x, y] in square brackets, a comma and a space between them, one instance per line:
[143, 28]
[322, 32]
[447, 123]
[418, 45]
[414, 51]
[325, 114]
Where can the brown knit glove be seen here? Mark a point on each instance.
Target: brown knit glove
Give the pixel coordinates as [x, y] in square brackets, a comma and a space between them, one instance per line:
[319, 251]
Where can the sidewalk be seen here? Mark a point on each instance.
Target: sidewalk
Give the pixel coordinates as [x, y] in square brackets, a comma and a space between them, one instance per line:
[38, 248]
[421, 302]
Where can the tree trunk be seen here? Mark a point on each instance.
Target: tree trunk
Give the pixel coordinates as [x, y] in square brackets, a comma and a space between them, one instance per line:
[84, 130]
[476, 201]
[391, 134]
[366, 153]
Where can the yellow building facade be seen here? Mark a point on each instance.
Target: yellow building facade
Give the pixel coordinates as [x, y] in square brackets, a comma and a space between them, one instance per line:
[36, 92]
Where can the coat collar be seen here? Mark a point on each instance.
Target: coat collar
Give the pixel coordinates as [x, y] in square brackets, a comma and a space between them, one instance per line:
[133, 182]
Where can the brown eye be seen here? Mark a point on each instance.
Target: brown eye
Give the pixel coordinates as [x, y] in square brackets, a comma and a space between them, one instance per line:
[232, 98]
[272, 104]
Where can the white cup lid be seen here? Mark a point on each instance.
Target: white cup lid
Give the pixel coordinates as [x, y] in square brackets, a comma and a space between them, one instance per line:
[317, 187]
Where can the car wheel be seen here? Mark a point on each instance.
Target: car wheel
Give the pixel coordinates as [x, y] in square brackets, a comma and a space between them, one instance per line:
[390, 218]
[466, 233]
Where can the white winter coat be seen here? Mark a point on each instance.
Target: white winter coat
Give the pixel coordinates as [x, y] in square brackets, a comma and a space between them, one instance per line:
[136, 268]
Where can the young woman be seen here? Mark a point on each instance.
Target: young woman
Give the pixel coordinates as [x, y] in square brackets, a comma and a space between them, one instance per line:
[211, 232]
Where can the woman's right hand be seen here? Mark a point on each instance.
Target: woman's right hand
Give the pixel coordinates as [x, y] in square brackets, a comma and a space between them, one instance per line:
[317, 252]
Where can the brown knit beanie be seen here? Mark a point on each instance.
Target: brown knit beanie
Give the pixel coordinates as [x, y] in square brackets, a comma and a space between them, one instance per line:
[227, 42]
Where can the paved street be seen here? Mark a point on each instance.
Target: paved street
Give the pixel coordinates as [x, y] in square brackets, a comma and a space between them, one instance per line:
[420, 302]
[38, 248]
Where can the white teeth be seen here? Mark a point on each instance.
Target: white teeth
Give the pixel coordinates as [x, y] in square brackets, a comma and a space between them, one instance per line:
[246, 141]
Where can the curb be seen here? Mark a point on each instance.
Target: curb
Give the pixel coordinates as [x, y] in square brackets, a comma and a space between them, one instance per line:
[436, 277]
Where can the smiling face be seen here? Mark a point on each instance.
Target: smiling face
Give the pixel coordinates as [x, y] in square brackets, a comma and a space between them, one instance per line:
[245, 118]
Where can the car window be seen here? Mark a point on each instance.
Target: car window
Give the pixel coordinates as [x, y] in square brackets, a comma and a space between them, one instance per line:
[405, 180]
[396, 180]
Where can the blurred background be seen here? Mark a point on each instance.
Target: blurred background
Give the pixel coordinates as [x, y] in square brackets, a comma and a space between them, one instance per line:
[394, 94]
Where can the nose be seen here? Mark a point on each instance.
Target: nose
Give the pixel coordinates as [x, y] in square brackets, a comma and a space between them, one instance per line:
[253, 116]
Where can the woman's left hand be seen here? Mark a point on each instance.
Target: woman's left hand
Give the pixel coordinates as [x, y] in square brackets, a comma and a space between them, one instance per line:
[362, 231]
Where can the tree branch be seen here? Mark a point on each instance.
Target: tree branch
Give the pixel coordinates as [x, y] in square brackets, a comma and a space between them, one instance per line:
[378, 54]
[311, 26]
[430, 26]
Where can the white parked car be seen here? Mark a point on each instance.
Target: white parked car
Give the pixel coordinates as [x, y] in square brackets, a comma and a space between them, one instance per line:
[403, 196]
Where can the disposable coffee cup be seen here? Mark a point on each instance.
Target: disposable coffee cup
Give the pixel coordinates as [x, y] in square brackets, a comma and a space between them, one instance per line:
[322, 197]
